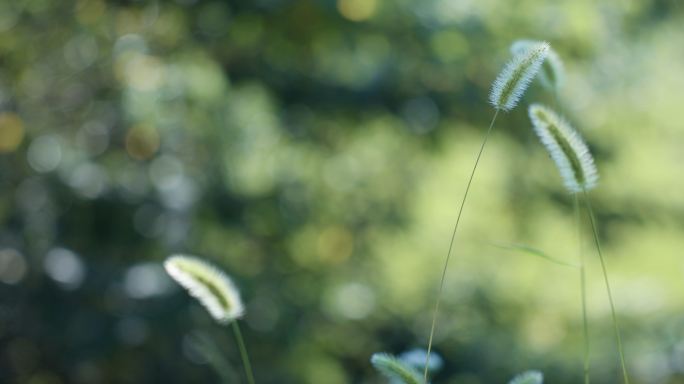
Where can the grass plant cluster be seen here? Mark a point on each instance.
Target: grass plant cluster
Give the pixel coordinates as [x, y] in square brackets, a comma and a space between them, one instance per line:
[219, 295]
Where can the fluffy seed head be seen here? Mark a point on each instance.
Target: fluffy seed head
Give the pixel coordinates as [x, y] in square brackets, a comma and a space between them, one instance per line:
[568, 150]
[551, 75]
[511, 83]
[528, 377]
[213, 288]
[395, 369]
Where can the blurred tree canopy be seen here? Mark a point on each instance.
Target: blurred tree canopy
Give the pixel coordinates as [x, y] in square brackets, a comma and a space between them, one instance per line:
[317, 150]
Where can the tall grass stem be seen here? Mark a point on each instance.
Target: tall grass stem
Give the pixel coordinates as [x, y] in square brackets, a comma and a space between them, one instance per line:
[605, 275]
[451, 245]
[243, 352]
[583, 282]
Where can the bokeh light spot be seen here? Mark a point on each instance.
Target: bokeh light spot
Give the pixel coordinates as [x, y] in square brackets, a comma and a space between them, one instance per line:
[80, 52]
[421, 114]
[88, 180]
[64, 267]
[146, 280]
[44, 154]
[11, 132]
[142, 142]
[145, 73]
[341, 172]
[449, 45]
[355, 301]
[89, 11]
[10, 14]
[335, 244]
[93, 138]
[544, 331]
[13, 267]
[357, 10]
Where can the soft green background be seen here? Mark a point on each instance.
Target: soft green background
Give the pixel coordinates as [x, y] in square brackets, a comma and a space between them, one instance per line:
[318, 151]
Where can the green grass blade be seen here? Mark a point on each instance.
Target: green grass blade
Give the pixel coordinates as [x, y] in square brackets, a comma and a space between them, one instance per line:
[534, 252]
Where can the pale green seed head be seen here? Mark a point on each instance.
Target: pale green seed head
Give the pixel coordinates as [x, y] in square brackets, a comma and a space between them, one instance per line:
[208, 284]
[528, 377]
[568, 150]
[551, 75]
[512, 82]
[395, 369]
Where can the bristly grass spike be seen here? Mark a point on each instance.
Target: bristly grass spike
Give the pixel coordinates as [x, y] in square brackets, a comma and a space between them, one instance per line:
[576, 166]
[528, 377]
[208, 284]
[506, 91]
[215, 291]
[512, 82]
[551, 75]
[395, 369]
[568, 150]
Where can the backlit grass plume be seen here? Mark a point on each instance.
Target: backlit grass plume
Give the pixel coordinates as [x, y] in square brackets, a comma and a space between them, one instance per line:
[551, 75]
[511, 83]
[576, 166]
[395, 369]
[528, 377]
[568, 150]
[506, 91]
[209, 285]
[215, 291]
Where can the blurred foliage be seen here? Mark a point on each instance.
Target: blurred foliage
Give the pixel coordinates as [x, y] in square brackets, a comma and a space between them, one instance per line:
[318, 151]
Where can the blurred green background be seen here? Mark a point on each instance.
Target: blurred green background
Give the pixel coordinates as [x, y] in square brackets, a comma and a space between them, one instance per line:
[318, 151]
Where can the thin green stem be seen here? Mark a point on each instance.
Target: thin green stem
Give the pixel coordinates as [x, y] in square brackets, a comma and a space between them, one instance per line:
[605, 275]
[243, 351]
[451, 245]
[575, 204]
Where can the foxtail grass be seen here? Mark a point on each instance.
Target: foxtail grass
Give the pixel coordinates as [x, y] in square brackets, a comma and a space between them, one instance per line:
[215, 291]
[551, 75]
[576, 166]
[507, 89]
[397, 370]
[528, 377]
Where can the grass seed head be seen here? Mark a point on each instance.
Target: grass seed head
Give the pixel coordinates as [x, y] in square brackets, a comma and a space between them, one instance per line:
[528, 377]
[568, 150]
[511, 83]
[208, 284]
[395, 369]
[551, 75]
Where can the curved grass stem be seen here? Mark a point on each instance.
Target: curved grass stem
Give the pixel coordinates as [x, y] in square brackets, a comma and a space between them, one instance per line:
[243, 351]
[575, 204]
[451, 245]
[605, 275]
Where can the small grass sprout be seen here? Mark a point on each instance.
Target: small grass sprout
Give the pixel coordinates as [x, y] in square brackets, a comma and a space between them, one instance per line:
[568, 150]
[528, 377]
[208, 284]
[551, 75]
[512, 82]
[395, 369]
